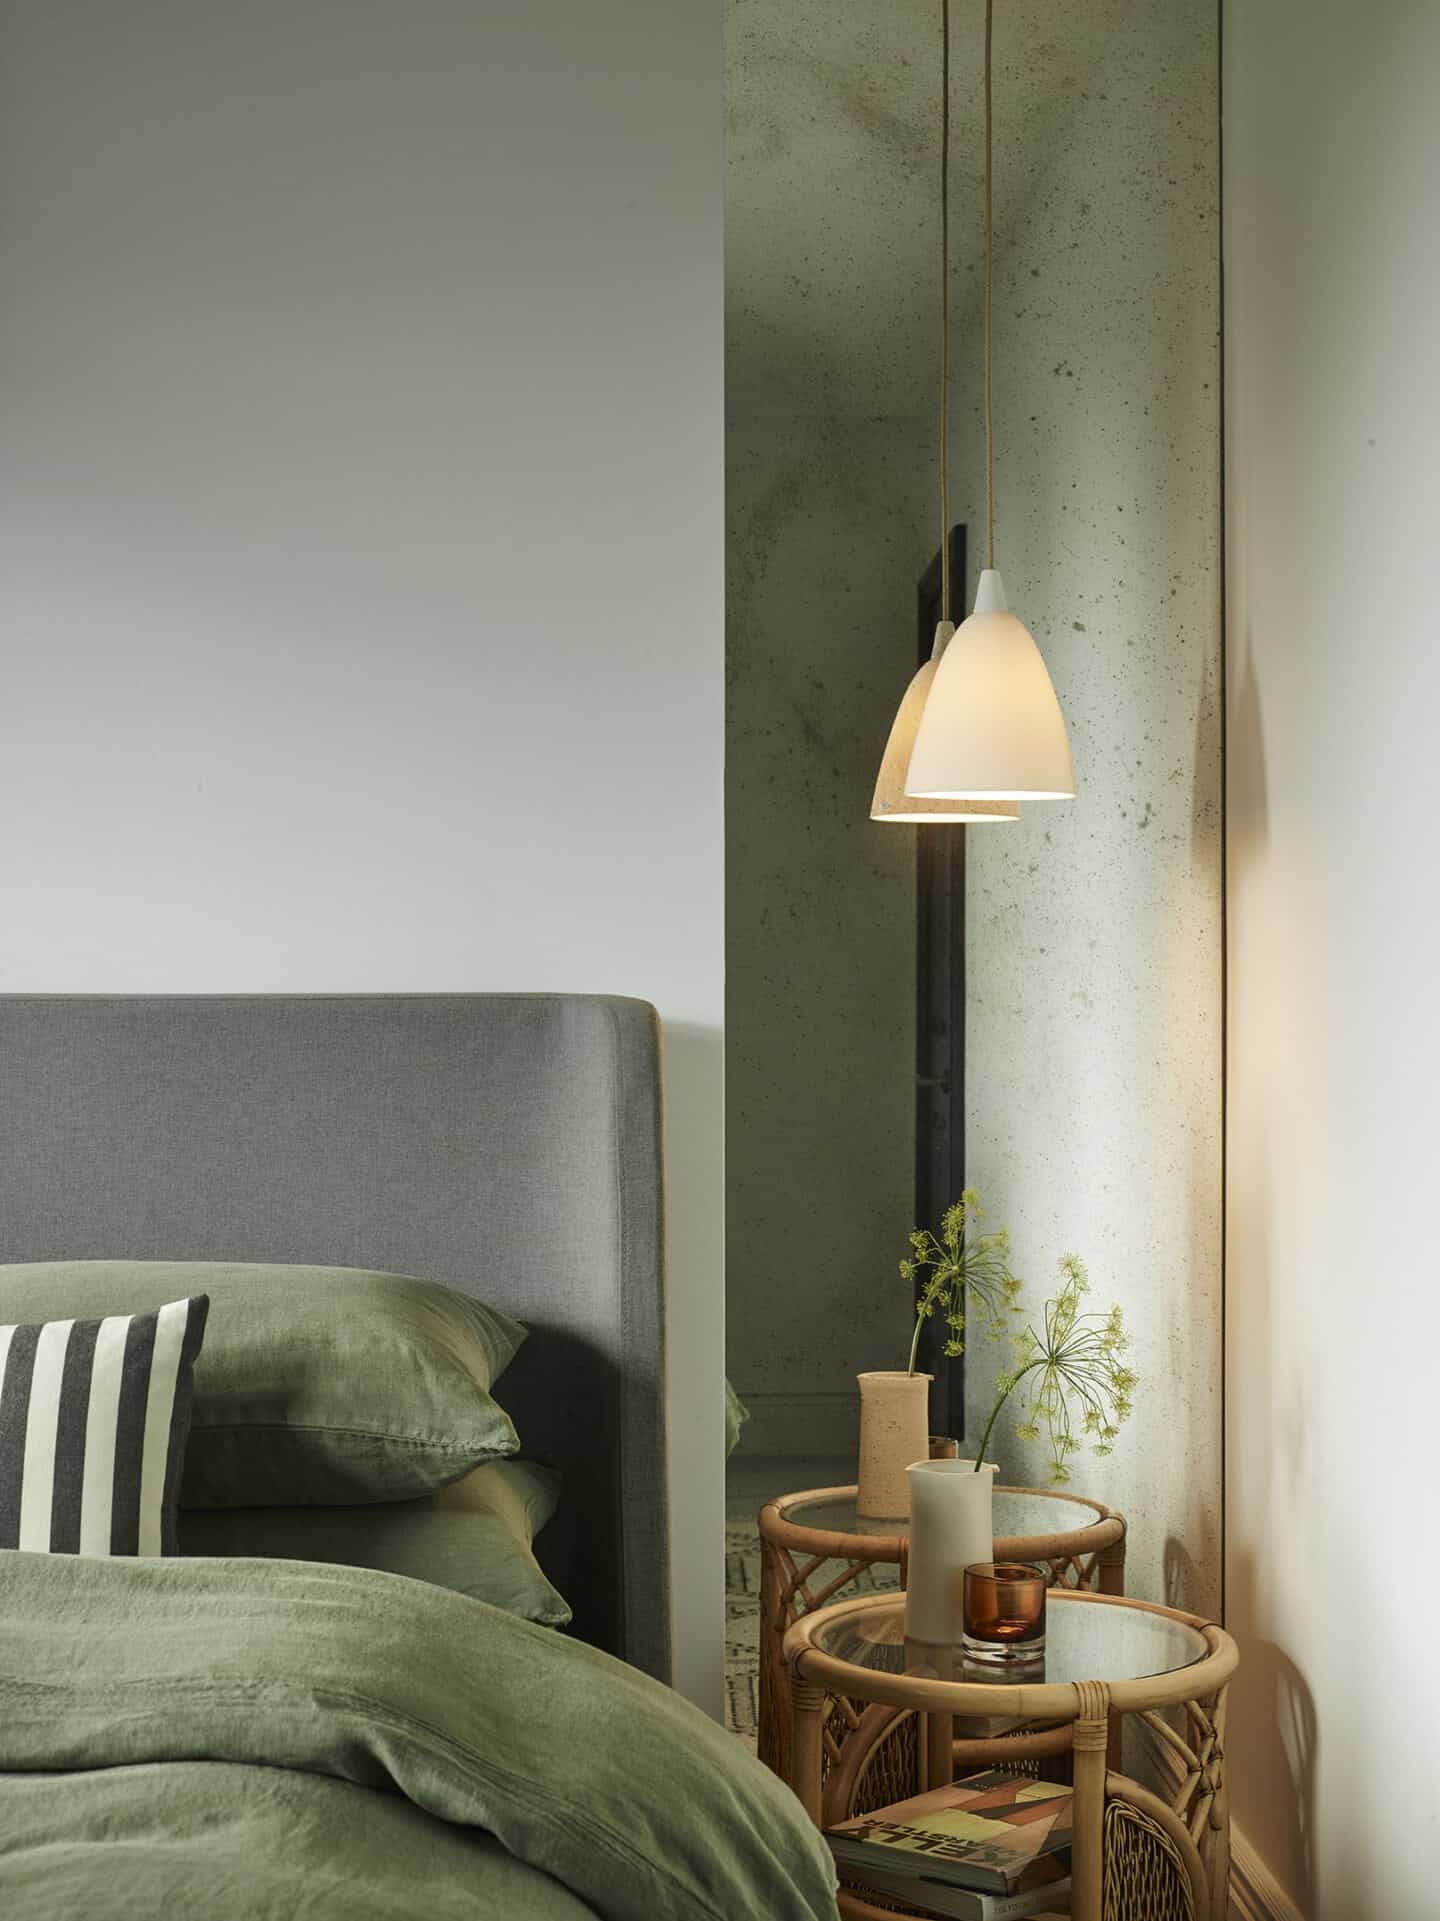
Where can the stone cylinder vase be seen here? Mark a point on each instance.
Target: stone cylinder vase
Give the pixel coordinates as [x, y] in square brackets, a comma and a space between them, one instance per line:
[894, 1431]
[952, 1527]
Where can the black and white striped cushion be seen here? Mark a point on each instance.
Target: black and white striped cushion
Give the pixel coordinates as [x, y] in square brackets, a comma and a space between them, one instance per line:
[94, 1416]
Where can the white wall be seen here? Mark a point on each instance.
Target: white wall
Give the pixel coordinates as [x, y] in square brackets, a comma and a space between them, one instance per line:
[361, 577]
[1332, 152]
[1094, 1054]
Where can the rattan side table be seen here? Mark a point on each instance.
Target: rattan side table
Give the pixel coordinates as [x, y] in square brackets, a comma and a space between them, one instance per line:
[804, 1536]
[1138, 1854]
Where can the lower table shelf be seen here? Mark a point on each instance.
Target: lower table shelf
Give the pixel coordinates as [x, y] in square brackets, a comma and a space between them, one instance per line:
[876, 1719]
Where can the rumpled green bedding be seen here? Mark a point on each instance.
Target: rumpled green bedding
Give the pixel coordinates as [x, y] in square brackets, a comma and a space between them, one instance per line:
[197, 1839]
[258, 1739]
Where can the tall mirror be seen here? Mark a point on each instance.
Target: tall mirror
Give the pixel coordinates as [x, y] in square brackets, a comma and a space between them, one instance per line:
[1032, 1010]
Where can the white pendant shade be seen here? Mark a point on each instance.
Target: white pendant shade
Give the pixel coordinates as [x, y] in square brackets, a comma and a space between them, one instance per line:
[991, 729]
[891, 801]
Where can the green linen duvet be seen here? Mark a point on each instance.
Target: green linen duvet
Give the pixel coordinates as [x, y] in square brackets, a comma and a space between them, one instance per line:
[256, 1740]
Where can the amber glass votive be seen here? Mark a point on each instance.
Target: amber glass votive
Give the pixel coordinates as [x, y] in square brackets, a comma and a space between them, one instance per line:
[1004, 1611]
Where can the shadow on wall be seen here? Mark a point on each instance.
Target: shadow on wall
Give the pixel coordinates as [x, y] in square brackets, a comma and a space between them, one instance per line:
[1272, 1708]
[1246, 824]
[1273, 1735]
[1272, 1730]
[1190, 1578]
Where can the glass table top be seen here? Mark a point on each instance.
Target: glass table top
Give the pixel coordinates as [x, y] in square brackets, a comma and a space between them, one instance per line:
[1018, 1514]
[1084, 1641]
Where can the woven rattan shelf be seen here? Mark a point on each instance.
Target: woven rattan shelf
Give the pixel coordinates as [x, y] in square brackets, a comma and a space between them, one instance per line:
[813, 1547]
[876, 1718]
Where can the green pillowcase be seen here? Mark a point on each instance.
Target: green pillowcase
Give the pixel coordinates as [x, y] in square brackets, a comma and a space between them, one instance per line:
[316, 1385]
[473, 1536]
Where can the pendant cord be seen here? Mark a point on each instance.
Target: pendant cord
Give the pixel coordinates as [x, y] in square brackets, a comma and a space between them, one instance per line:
[989, 278]
[945, 612]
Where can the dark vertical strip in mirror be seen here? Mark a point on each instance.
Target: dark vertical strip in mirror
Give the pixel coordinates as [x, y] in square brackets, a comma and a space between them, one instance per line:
[940, 1018]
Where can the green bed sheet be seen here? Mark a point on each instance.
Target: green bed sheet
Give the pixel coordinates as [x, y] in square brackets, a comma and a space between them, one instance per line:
[257, 1739]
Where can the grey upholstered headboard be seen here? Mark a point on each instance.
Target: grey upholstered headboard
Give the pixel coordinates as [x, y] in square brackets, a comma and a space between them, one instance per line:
[507, 1144]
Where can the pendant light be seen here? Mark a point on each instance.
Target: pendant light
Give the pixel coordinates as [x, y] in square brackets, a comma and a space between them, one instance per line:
[992, 729]
[891, 802]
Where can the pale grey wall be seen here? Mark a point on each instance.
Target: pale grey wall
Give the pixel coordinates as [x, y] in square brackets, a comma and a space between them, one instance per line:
[1332, 403]
[1094, 1045]
[830, 370]
[360, 568]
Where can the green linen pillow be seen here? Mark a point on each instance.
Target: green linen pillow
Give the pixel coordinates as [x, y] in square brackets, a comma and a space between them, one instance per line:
[474, 1536]
[316, 1385]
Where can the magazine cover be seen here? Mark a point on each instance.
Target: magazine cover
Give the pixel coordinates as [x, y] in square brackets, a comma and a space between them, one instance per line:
[984, 1832]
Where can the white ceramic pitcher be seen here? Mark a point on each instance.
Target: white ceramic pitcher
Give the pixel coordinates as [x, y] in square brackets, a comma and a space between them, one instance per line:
[952, 1527]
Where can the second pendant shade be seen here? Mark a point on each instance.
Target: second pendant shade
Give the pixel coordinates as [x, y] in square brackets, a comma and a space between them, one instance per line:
[991, 729]
[891, 802]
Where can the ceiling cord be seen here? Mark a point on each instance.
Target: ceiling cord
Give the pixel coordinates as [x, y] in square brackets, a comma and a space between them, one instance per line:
[945, 611]
[989, 278]
[945, 606]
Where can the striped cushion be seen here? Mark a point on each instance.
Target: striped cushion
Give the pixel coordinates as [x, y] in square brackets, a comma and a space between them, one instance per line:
[94, 1417]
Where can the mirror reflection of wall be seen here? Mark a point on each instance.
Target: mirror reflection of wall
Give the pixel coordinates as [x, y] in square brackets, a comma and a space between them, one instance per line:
[830, 437]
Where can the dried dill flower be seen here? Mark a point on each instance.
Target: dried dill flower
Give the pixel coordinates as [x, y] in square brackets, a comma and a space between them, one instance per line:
[1071, 1382]
[968, 1272]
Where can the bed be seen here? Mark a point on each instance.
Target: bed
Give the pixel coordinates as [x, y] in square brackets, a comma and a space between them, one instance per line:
[260, 1719]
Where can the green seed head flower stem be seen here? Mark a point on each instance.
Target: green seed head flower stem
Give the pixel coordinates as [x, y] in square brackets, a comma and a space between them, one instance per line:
[966, 1276]
[1071, 1374]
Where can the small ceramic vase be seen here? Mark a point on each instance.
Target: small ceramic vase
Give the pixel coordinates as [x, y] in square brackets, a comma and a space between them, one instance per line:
[951, 1528]
[894, 1431]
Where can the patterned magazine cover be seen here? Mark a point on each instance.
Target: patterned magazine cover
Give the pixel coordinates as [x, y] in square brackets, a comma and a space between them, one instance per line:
[984, 1832]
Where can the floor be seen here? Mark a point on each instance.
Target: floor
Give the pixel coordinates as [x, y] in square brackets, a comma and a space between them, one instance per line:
[750, 1481]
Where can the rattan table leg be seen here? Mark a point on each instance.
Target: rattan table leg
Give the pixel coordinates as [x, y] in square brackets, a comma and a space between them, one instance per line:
[1110, 1568]
[938, 1759]
[773, 1705]
[1090, 1740]
[807, 1744]
[1219, 1863]
[1218, 1854]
